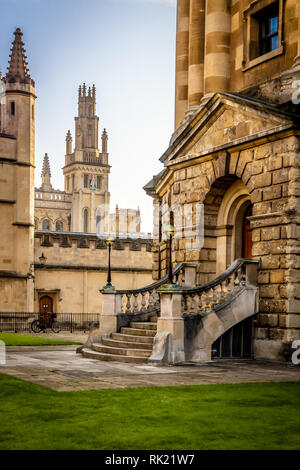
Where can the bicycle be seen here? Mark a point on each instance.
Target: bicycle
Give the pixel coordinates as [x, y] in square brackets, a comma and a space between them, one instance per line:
[40, 325]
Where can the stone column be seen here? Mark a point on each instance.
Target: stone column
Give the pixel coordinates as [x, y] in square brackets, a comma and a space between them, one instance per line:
[217, 46]
[182, 60]
[170, 323]
[111, 306]
[196, 52]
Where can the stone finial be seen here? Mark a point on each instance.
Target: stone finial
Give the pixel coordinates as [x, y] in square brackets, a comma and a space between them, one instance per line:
[104, 141]
[94, 91]
[84, 90]
[79, 91]
[46, 165]
[17, 68]
[46, 173]
[68, 136]
[89, 91]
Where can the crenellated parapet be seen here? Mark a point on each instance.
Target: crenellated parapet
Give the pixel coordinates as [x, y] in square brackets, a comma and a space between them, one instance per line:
[87, 252]
[91, 241]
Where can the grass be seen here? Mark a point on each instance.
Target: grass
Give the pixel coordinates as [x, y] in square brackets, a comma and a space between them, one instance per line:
[238, 416]
[14, 339]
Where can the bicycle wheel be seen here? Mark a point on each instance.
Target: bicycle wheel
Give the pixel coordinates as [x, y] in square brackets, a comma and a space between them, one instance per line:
[36, 326]
[55, 327]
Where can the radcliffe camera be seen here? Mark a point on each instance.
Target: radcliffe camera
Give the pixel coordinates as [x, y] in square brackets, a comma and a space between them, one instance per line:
[149, 229]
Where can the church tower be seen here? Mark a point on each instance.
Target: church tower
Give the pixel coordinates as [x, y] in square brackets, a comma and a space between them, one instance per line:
[17, 131]
[86, 169]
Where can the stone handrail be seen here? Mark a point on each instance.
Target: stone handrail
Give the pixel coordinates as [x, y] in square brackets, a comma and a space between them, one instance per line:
[216, 293]
[146, 299]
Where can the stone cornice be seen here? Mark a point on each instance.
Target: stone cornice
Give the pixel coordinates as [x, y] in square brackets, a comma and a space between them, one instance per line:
[82, 163]
[51, 267]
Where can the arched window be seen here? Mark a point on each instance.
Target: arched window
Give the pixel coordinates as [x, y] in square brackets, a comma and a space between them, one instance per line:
[59, 226]
[85, 220]
[46, 225]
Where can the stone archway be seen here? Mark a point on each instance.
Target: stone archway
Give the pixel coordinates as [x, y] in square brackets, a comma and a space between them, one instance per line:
[230, 225]
[224, 208]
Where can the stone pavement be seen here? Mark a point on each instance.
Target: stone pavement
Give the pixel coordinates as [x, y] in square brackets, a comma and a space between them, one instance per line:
[60, 368]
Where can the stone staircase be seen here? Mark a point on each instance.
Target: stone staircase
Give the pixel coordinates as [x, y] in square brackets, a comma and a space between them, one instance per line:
[132, 344]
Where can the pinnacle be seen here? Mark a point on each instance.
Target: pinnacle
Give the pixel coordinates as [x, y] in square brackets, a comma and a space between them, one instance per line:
[17, 67]
[46, 165]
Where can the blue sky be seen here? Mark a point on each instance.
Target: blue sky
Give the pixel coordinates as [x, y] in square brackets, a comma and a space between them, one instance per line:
[125, 47]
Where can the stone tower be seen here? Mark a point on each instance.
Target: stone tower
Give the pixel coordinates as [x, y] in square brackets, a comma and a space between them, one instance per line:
[17, 132]
[86, 168]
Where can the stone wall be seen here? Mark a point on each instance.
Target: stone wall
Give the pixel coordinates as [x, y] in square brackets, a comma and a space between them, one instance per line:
[270, 175]
[76, 269]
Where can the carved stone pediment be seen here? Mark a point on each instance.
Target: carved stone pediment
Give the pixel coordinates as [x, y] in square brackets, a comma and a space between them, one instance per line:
[226, 120]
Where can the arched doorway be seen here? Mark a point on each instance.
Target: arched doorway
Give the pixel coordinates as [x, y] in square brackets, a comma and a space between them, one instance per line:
[46, 308]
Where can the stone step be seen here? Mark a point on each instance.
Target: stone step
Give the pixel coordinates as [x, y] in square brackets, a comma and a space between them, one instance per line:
[138, 332]
[132, 338]
[126, 344]
[153, 319]
[101, 356]
[145, 325]
[121, 351]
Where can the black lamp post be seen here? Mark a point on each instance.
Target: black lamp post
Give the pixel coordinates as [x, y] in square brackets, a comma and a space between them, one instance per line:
[109, 242]
[170, 233]
[43, 259]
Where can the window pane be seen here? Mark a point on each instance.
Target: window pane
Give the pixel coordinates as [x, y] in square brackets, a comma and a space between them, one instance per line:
[85, 219]
[274, 43]
[59, 226]
[274, 25]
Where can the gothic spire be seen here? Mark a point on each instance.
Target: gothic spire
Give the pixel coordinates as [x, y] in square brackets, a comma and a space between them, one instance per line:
[46, 166]
[17, 68]
[46, 174]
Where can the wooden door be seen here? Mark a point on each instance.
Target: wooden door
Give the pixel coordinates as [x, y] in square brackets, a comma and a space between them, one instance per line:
[46, 308]
[247, 235]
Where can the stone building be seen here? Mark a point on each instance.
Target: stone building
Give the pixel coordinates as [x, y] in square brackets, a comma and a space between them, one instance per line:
[84, 205]
[59, 226]
[235, 155]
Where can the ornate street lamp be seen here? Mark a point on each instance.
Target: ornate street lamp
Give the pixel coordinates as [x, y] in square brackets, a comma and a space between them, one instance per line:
[170, 234]
[109, 242]
[43, 259]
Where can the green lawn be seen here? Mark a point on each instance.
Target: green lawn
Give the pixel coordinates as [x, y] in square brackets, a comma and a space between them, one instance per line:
[239, 416]
[14, 339]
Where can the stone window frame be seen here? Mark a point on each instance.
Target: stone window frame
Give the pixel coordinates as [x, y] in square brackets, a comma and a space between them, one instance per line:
[248, 14]
[59, 221]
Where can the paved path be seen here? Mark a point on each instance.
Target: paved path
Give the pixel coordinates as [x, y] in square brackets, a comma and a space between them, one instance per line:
[60, 368]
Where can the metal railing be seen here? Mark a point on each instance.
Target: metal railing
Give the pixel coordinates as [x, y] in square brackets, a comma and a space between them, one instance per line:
[214, 294]
[21, 321]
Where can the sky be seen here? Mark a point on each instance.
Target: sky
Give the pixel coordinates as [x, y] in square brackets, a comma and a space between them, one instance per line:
[127, 49]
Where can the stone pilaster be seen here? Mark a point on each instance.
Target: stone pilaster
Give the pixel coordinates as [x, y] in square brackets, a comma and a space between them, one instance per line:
[217, 46]
[182, 60]
[196, 52]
